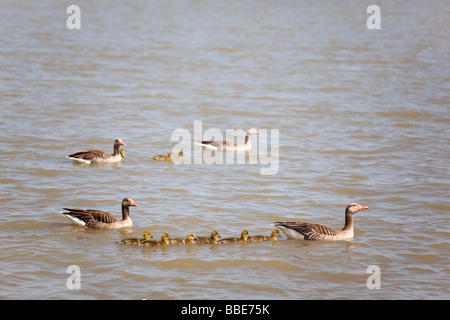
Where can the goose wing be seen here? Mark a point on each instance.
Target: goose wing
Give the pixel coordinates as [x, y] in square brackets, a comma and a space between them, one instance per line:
[310, 231]
[90, 218]
[89, 155]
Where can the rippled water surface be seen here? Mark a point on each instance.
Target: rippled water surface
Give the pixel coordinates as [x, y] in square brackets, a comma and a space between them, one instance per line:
[363, 115]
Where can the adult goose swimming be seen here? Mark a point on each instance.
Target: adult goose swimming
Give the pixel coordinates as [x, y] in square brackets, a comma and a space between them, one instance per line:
[98, 156]
[314, 231]
[97, 219]
[231, 146]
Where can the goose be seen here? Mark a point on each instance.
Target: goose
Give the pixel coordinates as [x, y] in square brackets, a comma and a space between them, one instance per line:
[231, 146]
[98, 156]
[146, 236]
[165, 239]
[122, 153]
[314, 231]
[97, 219]
[243, 239]
[190, 238]
[213, 239]
[273, 236]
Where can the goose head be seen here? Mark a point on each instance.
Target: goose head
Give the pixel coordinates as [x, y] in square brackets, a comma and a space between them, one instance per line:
[354, 207]
[118, 143]
[128, 202]
[252, 131]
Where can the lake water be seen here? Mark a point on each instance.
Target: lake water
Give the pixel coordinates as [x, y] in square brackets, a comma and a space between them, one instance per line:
[363, 116]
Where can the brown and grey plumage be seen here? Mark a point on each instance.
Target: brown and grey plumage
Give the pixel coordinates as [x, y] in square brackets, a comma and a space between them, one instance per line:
[228, 145]
[213, 239]
[314, 231]
[190, 239]
[98, 156]
[273, 237]
[165, 239]
[243, 239]
[135, 241]
[97, 219]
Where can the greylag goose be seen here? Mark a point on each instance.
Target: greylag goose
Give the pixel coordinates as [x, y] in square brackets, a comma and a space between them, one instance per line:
[214, 238]
[190, 238]
[273, 236]
[165, 239]
[228, 145]
[97, 219]
[146, 236]
[313, 231]
[98, 156]
[243, 239]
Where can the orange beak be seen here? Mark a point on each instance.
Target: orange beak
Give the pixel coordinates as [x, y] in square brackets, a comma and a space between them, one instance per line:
[134, 204]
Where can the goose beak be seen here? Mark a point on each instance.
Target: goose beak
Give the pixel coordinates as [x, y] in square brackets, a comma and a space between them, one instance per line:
[123, 143]
[362, 208]
[134, 204]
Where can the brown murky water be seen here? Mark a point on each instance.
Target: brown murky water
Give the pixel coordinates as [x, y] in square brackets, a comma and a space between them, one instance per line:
[363, 115]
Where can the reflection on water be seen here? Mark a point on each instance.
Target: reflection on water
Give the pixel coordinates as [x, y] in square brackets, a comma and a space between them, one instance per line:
[362, 116]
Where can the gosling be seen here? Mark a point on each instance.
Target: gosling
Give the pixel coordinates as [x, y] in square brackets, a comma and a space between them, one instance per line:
[165, 239]
[209, 240]
[273, 237]
[168, 158]
[243, 239]
[190, 239]
[146, 236]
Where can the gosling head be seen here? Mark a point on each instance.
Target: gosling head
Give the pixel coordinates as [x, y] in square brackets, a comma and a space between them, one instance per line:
[122, 153]
[165, 238]
[215, 235]
[147, 236]
[191, 237]
[275, 233]
[245, 235]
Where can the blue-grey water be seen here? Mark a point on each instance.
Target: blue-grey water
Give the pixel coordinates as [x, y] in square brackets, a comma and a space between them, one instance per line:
[363, 116]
